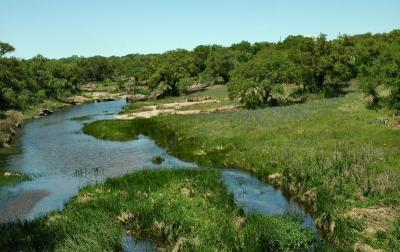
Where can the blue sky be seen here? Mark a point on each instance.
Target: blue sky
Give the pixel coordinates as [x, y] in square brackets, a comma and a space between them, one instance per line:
[61, 28]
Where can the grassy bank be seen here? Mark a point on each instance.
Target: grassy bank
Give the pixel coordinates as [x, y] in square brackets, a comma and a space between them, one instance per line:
[9, 178]
[337, 157]
[182, 209]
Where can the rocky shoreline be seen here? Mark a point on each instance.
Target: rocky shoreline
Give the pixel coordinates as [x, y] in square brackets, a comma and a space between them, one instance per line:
[9, 126]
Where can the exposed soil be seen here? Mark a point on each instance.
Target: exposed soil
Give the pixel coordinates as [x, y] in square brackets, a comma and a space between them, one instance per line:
[174, 108]
[365, 248]
[90, 96]
[374, 218]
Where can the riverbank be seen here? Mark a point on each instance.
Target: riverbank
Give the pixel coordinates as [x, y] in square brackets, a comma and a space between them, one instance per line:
[181, 210]
[12, 120]
[333, 155]
[10, 124]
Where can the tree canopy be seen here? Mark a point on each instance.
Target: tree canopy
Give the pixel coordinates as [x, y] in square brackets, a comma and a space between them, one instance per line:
[314, 64]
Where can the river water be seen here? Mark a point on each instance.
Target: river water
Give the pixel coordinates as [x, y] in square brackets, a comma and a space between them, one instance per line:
[61, 160]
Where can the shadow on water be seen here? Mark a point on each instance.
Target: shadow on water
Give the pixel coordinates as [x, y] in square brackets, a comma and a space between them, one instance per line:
[254, 196]
[61, 160]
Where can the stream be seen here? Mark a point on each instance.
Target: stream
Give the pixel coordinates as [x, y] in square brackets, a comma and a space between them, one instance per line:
[61, 159]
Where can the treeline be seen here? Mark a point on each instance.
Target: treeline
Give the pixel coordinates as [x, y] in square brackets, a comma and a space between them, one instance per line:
[27, 82]
[255, 73]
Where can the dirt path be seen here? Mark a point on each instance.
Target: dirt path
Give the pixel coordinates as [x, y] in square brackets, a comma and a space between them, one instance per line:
[173, 108]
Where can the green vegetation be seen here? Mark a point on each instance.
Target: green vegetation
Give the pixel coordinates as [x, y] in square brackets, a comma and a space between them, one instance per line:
[9, 178]
[382, 70]
[189, 210]
[12, 179]
[111, 130]
[157, 159]
[81, 118]
[255, 73]
[28, 82]
[334, 154]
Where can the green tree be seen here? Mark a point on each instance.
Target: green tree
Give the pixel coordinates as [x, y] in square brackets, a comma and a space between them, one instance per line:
[219, 63]
[383, 72]
[200, 55]
[5, 48]
[254, 81]
[320, 62]
[169, 69]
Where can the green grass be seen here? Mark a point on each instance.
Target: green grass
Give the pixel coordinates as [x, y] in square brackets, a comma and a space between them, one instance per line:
[111, 130]
[12, 179]
[52, 105]
[334, 153]
[187, 208]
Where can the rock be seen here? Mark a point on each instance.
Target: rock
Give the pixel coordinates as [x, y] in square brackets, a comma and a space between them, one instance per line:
[358, 246]
[12, 131]
[179, 245]
[195, 88]
[274, 176]
[309, 196]
[15, 116]
[125, 218]
[45, 112]
[186, 192]
[332, 226]
[199, 99]
[156, 95]
[137, 97]
[7, 139]
[7, 174]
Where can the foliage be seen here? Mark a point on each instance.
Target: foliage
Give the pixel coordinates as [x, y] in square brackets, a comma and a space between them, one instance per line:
[28, 82]
[5, 48]
[383, 71]
[219, 63]
[254, 80]
[315, 64]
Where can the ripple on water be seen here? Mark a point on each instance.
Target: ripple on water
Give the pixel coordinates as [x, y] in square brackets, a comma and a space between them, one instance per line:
[62, 159]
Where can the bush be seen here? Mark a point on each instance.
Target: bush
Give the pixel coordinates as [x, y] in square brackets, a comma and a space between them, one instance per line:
[140, 90]
[257, 95]
[157, 160]
[184, 83]
[394, 99]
